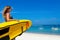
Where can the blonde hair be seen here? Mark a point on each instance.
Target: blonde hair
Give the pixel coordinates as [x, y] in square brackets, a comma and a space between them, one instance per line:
[6, 10]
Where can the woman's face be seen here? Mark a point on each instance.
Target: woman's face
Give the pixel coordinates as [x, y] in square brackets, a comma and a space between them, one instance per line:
[9, 10]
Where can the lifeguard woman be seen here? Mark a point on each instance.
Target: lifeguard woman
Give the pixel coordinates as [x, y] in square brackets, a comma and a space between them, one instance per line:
[7, 17]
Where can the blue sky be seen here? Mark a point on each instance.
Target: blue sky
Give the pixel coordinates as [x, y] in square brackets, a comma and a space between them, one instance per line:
[39, 11]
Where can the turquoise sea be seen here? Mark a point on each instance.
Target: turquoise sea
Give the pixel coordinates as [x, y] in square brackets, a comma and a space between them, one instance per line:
[45, 29]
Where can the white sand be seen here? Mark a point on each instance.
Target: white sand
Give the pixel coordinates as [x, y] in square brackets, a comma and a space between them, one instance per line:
[32, 36]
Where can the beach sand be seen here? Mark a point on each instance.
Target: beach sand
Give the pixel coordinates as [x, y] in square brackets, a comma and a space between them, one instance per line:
[32, 36]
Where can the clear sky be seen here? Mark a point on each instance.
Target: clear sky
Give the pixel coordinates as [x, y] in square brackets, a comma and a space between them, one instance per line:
[39, 11]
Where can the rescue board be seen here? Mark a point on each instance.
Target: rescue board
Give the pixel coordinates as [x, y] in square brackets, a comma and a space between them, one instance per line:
[15, 28]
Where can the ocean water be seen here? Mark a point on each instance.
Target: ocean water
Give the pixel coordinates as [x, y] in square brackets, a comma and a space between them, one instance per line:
[45, 29]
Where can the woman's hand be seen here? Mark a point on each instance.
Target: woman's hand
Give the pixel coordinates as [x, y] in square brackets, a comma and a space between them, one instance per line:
[13, 20]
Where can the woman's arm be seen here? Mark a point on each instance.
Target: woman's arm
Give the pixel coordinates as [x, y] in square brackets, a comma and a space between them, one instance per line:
[7, 16]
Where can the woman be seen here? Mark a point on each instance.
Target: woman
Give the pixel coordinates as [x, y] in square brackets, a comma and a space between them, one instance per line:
[7, 16]
[6, 13]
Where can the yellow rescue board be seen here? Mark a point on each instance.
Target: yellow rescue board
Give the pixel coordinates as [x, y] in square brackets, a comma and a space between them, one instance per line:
[15, 28]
